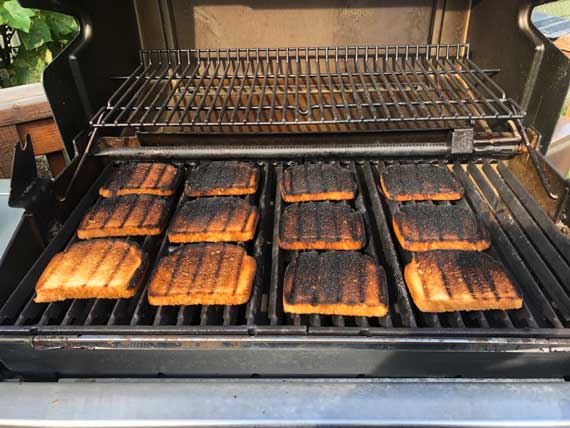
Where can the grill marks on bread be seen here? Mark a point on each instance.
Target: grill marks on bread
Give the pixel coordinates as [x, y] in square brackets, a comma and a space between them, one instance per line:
[128, 215]
[448, 281]
[321, 226]
[423, 227]
[142, 178]
[335, 283]
[102, 268]
[420, 182]
[214, 220]
[222, 179]
[203, 274]
[317, 182]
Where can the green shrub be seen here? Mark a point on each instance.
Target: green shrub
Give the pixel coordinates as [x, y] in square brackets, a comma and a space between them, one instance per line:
[29, 39]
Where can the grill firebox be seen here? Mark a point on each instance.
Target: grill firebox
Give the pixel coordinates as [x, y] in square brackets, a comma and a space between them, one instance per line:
[535, 253]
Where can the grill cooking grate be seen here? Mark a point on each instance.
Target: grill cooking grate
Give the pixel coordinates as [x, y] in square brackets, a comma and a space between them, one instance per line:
[389, 87]
[535, 253]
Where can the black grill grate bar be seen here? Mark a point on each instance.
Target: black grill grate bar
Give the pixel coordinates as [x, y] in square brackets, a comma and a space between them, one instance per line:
[372, 238]
[540, 241]
[261, 251]
[392, 263]
[528, 252]
[538, 303]
[540, 217]
[275, 311]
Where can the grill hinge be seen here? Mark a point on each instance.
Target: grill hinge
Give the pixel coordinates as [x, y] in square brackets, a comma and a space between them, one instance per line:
[462, 141]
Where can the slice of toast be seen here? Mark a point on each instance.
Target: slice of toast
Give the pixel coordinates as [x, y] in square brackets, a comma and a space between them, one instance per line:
[101, 269]
[203, 274]
[228, 178]
[317, 182]
[129, 215]
[138, 178]
[448, 281]
[321, 226]
[420, 183]
[423, 227]
[335, 283]
[214, 220]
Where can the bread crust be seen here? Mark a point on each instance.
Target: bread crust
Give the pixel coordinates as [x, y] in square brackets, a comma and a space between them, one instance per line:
[420, 183]
[317, 182]
[214, 220]
[321, 226]
[130, 215]
[159, 179]
[449, 281]
[102, 269]
[203, 274]
[438, 227]
[335, 283]
[227, 178]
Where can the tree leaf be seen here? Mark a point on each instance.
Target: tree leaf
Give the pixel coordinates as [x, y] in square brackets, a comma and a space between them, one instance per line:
[28, 66]
[15, 16]
[61, 25]
[38, 35]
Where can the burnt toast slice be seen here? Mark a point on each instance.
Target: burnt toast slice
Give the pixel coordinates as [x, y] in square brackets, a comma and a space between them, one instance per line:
[321, 226]
[449, 281]
[424, 227]
[317, 182]
[420, 183]
[335, 283]
[203, 274]
[95, 269]
[229, 178]
[142, 178]
[129, 215]
[214, 220]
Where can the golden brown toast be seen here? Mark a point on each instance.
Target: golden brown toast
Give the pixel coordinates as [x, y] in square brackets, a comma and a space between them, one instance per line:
[317, 182]
[222, 179]
[128, 215]
[321, 226]
[142, 178]
[419, 183]
[101, 268]
[447, 281]
[335, 283]
[423, 227]
[214, 220]
[203, 274]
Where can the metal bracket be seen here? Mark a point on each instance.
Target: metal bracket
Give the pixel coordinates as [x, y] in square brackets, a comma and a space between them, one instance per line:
[26, 188]
[462, 141]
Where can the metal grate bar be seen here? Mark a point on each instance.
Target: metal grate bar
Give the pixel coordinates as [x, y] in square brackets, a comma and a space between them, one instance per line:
[378, 85]
[538, 302]
[528, 253]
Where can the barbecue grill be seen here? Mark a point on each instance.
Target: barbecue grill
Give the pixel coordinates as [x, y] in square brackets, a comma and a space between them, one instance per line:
[460, 91]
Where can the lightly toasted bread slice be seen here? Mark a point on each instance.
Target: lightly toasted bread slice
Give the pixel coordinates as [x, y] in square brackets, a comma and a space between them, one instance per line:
[129, 215]
[214, 220]
[203, 274]
[229, 178]
[335, 283]
[419, 183]
[317, 182]
[321, 226]
[423, 227]
[449, 281]
[142, 178]
[101, 269]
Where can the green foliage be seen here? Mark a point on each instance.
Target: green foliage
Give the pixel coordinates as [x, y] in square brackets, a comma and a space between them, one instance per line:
[42, 35]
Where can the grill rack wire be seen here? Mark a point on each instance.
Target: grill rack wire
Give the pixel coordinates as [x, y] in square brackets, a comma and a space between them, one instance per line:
[390, 87]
